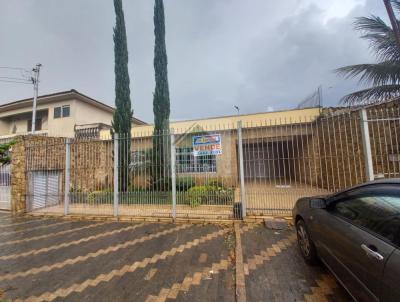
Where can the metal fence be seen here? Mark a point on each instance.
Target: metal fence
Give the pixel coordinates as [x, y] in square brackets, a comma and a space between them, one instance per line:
[218, 172]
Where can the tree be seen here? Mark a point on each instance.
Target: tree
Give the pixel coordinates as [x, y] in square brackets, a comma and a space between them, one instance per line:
[5, 157]
[161, 102]
[383, 76]
[122, 118]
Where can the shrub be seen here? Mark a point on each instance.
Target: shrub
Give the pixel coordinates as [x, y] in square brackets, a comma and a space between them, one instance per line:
[100, 197]
[136, 188]
[184, 183]
[211, 195]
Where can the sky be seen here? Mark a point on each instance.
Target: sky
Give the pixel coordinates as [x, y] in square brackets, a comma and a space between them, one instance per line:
[258, 55]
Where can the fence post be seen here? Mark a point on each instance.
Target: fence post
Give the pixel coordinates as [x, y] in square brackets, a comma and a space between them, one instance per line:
[369, 169]
[116, 178]
[241, 169]
[173, 174]
[67, 183]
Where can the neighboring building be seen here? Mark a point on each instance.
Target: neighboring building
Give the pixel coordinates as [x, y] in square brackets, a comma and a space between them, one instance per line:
[67, 113]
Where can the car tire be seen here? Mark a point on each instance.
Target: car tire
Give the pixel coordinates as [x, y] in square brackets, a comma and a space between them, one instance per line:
[307, 247]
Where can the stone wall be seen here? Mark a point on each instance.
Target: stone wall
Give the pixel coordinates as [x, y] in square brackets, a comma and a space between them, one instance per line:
[340, 160]
[334, 155]
[18, 176]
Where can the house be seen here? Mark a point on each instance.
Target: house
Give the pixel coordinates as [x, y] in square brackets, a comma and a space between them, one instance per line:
[267, 137]
[67, 113]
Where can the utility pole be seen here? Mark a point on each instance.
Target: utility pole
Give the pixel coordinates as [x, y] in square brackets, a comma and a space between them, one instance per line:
[393, 20]
[35, 81]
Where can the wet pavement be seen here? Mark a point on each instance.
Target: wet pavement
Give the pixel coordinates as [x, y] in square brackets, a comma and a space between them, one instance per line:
[64, 260]
[275, 270]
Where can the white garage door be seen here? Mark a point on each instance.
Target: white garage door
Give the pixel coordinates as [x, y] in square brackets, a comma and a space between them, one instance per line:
[44, 189]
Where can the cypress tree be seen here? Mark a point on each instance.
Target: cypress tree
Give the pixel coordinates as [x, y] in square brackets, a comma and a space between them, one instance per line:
[161, 102]
[122, 118]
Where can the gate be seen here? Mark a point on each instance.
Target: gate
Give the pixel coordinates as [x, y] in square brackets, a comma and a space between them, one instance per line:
[45, 169]
[45, 187]
[286, 159]
[5, 187]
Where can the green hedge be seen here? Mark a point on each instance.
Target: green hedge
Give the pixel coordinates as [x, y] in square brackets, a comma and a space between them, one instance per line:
[210, 195]
[195, 196]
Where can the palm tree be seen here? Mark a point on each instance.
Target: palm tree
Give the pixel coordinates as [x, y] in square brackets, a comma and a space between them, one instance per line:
[383, 76]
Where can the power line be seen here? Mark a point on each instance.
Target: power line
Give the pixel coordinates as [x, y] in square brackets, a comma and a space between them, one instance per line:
[18, 82]
[11, 78]
[13, 68]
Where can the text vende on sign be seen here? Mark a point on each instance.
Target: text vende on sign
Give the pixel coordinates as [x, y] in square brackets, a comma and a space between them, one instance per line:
[209, 144]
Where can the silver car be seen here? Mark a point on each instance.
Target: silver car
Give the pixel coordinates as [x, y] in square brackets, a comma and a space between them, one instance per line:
[356, 234]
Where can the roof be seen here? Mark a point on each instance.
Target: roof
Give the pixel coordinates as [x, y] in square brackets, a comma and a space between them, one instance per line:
[353, 108]
[53, 97]
[230, 122]
[239, 116]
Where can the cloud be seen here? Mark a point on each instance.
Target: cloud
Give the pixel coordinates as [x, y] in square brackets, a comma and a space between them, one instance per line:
[256, 55]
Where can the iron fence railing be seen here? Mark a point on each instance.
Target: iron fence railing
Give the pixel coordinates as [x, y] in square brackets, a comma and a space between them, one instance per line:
[219, 172]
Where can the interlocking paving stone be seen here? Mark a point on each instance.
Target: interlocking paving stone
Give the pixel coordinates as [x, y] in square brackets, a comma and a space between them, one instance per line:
[53, 234]
[277, 272]
[82, 271]
[91, 255]
[25, 229]
[170, 269]
[185, 263]
[60, 254]
[10, 224]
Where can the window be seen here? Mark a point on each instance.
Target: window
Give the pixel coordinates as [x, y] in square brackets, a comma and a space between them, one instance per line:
[63, 111]
[379, 214]
[186, 162]
[57, 112]
[38, 125]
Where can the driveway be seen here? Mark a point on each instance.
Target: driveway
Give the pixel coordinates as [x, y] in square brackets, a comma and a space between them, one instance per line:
[63, 260]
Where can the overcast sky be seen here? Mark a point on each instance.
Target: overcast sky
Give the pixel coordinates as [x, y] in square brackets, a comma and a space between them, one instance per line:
[256, 54]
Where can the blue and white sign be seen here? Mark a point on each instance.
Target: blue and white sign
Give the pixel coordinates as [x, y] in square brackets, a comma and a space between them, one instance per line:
[209, 144]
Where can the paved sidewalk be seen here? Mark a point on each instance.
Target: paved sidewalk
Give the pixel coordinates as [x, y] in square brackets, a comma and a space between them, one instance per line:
[275, 270]
[63, 260]
[97, 261]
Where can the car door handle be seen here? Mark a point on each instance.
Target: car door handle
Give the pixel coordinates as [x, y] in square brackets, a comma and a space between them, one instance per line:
[371, 253]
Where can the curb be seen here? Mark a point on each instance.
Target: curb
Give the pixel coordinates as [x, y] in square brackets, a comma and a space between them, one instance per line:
[240, 280]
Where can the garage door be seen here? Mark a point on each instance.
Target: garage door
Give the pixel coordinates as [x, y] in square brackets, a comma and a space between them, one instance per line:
[44, 187]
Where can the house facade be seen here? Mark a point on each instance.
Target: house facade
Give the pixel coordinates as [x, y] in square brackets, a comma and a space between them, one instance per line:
[66, 114]
[263, 135]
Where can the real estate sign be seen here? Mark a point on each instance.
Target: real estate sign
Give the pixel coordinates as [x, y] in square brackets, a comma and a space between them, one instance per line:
[209, 144]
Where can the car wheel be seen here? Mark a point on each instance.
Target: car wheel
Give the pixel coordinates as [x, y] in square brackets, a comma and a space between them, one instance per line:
[306, 246]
